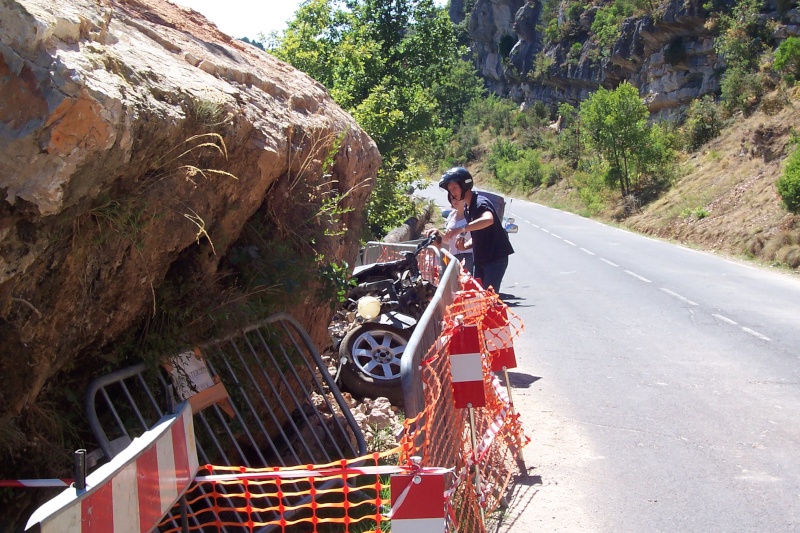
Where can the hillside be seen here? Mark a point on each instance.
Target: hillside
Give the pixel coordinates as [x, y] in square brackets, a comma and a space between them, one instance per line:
[725, 199]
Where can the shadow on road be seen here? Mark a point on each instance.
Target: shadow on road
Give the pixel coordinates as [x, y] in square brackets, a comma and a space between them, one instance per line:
[521, 493]
[511, 300]
[522, 381]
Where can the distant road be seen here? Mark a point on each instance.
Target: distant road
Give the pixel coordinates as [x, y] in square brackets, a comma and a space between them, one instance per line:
[661, 385]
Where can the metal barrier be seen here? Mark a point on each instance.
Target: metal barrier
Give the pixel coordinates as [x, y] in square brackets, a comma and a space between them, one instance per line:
[377, 252]
[271, 408]
[426, 335]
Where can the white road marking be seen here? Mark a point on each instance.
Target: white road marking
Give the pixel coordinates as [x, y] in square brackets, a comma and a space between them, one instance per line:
[637, 276]
[570, 242]
[678, 296]
[725, 319]
[587, 251]
[756, 334]
[556, 236]
[544, 230]
[608, 262]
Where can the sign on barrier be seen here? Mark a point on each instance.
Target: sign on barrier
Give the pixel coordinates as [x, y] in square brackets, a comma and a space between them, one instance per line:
[466, 367]
[417, 503]
[499, 339]
[133, 491]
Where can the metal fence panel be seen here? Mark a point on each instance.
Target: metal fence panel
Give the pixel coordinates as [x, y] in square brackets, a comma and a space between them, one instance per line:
[278, 411]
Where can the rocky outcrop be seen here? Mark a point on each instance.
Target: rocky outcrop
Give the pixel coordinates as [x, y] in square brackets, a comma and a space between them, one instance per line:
[491, 30]
[671, 58]
[134, 136]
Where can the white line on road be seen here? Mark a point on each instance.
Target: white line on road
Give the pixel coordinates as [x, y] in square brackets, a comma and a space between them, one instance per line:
[637, 276]
[587, 251]
[556, 236]
[678, 296]
[570, 242]
[725, 319]
[608, 262]
[544, 230]
[755, 334]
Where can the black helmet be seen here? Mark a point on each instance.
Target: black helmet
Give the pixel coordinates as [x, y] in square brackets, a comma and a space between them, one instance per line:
[458, 175]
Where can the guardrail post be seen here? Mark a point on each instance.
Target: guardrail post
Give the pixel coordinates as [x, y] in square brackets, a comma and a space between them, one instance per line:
[80, 469]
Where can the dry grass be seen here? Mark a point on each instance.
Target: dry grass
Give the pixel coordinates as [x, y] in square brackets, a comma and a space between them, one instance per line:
[731, 182]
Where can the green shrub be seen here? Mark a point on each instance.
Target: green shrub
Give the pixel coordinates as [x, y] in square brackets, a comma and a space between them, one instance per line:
[574, 54]
[787, 59]
[741, 90]
[788, 185]
[703, 123]
[605, 26]
[525, 172]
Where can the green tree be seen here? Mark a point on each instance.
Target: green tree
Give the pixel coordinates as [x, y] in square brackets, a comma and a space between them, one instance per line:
[615, 124]
[789, 183]
[741, 42]
[787, 58]
[393, 64]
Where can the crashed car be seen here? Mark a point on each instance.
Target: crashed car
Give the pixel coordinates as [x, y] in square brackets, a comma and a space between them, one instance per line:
[372, 328]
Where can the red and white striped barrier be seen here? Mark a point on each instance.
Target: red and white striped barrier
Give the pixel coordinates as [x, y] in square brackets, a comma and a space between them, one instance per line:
[417, 503]
[134, 491]
[499, 339]
[35, 483]
[466, 367]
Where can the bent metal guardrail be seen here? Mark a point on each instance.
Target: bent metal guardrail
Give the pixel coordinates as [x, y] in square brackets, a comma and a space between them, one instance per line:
[426, 335]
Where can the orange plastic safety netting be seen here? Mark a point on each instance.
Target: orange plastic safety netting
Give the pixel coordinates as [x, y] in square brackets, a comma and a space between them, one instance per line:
[480, 448]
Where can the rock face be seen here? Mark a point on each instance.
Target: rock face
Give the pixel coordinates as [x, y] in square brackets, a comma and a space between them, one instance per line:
[671, 60]
[134, 134]
[491, 29]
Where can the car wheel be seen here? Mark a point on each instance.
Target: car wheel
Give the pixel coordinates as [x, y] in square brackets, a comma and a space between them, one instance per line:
[371, 354]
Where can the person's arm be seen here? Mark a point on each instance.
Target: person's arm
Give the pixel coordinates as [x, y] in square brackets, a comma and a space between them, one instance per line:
[482, 222]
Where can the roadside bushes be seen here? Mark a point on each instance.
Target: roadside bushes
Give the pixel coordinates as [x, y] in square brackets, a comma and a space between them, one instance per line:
[788, 185]
[516, 167]
[703, 122]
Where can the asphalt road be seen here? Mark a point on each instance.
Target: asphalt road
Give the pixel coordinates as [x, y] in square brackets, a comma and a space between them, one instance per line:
[660, 385]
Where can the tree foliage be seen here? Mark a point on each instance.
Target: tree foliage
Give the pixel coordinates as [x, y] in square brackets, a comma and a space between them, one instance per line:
[638, 154]
[393, 64]
[787, 59]
[789, 183]
[615, 123]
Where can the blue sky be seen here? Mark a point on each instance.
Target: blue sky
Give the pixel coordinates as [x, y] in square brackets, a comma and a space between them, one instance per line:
[247, 18]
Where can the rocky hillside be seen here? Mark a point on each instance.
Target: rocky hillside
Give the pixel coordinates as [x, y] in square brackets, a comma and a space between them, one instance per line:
[669, 56]
[137, 146]
[726, 200]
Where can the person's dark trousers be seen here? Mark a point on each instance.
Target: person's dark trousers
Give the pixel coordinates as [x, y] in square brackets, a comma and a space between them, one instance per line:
[491, 274]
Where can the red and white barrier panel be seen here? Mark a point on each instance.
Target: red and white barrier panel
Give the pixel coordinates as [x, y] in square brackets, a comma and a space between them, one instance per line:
[499, 338]
[35, 483]
[134, 491]
[466, 367]
[417, 503]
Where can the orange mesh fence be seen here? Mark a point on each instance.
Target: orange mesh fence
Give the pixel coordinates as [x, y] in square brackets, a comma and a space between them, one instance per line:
[352, 495]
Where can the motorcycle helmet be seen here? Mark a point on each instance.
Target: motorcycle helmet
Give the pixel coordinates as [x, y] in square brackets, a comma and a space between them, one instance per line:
[458, 175]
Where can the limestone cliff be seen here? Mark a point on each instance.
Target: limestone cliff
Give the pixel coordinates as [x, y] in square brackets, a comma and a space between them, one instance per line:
[671, 58]
[135, 136]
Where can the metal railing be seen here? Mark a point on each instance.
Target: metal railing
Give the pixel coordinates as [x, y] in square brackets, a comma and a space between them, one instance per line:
[425, 335]
[277, 411]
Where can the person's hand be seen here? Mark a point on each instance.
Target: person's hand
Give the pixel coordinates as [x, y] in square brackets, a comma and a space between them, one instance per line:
[449, 234]
[437, 236]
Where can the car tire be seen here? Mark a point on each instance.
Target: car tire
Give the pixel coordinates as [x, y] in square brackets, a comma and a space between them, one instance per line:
[371, 353]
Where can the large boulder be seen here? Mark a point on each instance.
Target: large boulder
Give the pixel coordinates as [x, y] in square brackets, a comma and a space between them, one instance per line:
[134, 135]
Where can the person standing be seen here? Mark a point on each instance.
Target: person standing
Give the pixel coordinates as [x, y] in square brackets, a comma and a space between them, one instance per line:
[489, 241]
[457, 220]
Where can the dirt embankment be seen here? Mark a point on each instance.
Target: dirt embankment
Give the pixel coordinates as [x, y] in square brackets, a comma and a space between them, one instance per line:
[725, 199]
